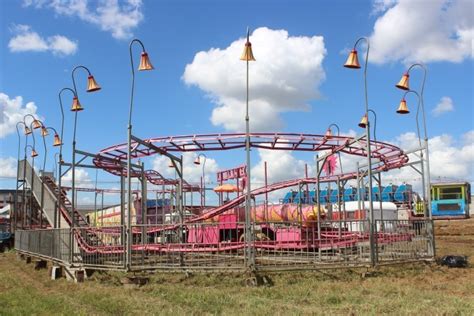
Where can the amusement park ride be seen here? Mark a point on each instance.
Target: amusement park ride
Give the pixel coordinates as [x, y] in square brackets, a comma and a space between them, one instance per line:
[305, 229]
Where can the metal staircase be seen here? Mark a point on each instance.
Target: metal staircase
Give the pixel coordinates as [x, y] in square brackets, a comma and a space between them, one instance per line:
[42, 193]
[46, 193]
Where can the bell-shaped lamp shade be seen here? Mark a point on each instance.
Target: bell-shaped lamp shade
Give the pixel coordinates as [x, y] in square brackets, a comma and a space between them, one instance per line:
[34, 153]
[37, 124]
[247, 54]
[44, 131]
[328, 133]
[92, 85]
[57, 140]
[363, 122]
[145, 63]
[197, 161]
[27, 130]
[403, 108]
[404, 83]
[352, 61]
[76, 105]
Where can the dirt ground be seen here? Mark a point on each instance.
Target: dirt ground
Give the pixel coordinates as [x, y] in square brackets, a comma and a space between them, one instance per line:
[416, 289]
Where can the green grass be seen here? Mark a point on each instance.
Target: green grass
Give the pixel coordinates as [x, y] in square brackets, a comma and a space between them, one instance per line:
[416, 289]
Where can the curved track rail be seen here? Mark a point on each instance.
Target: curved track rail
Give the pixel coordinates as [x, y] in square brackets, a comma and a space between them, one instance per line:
[387, 155]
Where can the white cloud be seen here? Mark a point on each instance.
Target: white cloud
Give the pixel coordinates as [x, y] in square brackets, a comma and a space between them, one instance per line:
[8, 167]
[27, 40]
[12, 111]
[192, 172]
[114, 16]
[382, 5]
[435, 30]
[281, 165]
[449, 158]
[444, 105]
[285, 77]
[82, 179]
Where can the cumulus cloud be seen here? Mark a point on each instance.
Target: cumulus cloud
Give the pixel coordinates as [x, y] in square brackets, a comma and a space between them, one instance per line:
[114, 16]
[192, 172]
[382, 5]
[82, 179]
[8, 167]
[450, 158]
[12, 111]
[435, 30]
[285, 77]
[281, 165]
[27, 40]
[444, 105]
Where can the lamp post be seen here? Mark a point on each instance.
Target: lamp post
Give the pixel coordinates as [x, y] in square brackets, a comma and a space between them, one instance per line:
[56, 142]
[247, 56]
[92, 86]
[44, 133]
[404, 84]
[353, 63]
[362, 124]
[15, 214]
[145, 64]
[403, 109]
[33, 155]
[76, 105]
[28, 130]
[197, 161]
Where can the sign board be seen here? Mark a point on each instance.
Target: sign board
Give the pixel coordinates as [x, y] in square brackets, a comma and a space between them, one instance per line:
[234, 173]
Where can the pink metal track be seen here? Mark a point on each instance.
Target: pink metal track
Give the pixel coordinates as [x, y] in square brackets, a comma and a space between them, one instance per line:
[387, 156]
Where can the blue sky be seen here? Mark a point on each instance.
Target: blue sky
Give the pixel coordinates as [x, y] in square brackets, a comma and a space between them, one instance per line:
[97, 33]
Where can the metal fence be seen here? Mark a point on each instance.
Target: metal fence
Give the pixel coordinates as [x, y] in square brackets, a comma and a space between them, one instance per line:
[222, 245]
[52, 244]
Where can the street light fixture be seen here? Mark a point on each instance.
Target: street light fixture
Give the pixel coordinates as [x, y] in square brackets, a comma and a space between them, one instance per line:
[145, 64]
[197, 161]
[15, 214]
[33, 151]
[403, 109]
[364, 122]
[247, 56]
[404, 84]
[353, 63]
[92, 86]
[60, 160]
[329, 133]
[27, 131]
[44, 133]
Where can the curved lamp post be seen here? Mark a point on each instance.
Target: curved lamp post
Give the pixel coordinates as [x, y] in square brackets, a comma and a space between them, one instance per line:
[197, 161]
[33, 155]
[56, 142]
[329, 134]
[15, 214]
[353, 63]
[92, 86]
[145, 64]
[35, 124]
[247, 56]
[403, 109]
[364, 122]
[75, 105]
[404, 84]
